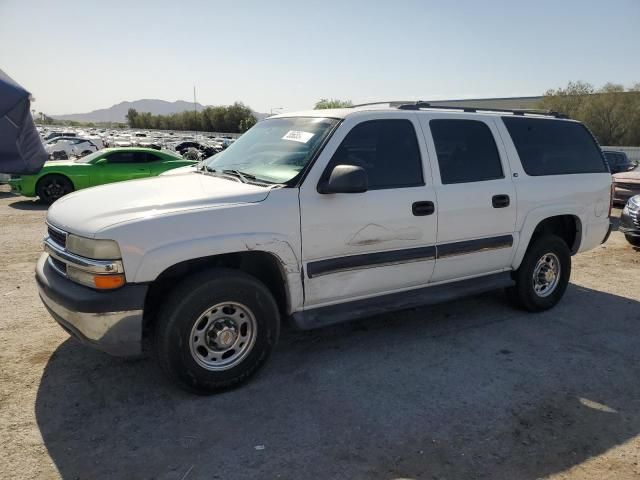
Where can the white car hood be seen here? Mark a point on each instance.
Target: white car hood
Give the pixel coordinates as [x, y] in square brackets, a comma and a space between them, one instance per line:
[87, 212]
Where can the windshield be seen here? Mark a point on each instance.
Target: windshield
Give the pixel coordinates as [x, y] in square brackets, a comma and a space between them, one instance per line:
[90, 157]
[274, 150]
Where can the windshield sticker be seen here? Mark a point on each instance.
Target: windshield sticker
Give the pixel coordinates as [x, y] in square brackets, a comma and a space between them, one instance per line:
[298, 136]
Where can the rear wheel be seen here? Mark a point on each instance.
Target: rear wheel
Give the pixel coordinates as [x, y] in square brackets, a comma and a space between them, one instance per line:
[543, 275]
[635, 241]
[216, 330]
[52, 187]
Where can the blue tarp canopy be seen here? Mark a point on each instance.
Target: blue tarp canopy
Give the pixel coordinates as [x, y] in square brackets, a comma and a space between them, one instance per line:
[21, 150]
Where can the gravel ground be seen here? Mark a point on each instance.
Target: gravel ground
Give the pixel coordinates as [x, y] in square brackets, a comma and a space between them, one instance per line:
[471, 389]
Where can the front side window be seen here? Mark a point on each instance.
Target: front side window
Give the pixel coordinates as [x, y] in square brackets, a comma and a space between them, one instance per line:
[275, 150]
[386, 149]
[466, 151]
[554, 147]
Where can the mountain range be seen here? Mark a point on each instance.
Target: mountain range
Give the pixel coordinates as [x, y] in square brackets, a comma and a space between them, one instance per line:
[118, 112]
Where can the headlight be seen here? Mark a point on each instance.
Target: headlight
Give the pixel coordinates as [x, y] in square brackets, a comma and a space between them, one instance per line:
[91, 248]
[634, 202]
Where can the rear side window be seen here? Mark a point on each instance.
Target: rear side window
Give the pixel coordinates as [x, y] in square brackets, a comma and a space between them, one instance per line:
[387, 150]
[127, 157]
[554, 147]
[466, 151]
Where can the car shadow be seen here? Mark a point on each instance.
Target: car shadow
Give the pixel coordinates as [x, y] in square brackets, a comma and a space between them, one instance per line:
[468, 389]
[29, 205]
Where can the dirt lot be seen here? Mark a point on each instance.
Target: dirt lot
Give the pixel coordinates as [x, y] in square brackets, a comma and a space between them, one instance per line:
[471, 389]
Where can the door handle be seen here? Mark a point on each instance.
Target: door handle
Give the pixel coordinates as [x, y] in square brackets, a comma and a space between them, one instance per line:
[500, 201]
[420, 209]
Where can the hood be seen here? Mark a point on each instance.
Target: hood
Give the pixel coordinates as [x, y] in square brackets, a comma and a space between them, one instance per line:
[631, 177]
[86, 212]
[59, 163]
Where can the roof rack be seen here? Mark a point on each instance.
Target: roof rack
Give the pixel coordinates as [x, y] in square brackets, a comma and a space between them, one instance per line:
[420, 104]
[380, 103]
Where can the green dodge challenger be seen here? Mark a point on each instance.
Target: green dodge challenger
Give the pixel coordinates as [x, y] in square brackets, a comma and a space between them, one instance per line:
[56, 179]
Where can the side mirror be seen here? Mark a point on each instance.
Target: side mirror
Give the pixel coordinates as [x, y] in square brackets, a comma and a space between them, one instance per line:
[345, 179]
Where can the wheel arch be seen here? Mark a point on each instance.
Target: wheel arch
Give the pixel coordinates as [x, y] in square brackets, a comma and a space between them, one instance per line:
[36, 186]
[568, 226]
[263, 265]
[56, 173]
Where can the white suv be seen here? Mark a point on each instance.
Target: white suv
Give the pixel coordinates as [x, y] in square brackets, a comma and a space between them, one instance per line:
[322, 217]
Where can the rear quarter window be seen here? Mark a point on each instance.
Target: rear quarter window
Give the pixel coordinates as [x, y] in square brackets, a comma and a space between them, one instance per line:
[554, 147]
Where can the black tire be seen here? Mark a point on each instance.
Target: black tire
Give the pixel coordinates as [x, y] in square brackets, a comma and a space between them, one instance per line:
[523, 294]
[52, 187]
[181, 314]
[635, 241]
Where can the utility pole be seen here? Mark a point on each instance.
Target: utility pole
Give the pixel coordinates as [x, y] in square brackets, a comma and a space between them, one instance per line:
[195, 112]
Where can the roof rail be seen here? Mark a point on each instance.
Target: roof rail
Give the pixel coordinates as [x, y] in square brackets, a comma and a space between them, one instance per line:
[420, 104]
[380, 103]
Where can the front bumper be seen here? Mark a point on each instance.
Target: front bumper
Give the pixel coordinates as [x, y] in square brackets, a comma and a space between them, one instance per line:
[110, 321]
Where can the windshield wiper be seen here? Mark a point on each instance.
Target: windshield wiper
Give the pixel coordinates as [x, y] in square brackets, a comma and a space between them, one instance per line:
[243, 176]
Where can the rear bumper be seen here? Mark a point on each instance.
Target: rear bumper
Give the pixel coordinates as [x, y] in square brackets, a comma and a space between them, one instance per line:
[109, 321]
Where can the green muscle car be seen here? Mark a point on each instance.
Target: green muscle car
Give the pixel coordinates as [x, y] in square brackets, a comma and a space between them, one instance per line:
[57, 178]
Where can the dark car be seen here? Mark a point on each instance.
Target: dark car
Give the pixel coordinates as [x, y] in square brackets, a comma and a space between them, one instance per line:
[630, 221]
[618, 161]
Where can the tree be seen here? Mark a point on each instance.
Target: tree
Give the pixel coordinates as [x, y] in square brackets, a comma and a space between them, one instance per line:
[611, 112]
[325, 103]
[236, 118]
[132, 117]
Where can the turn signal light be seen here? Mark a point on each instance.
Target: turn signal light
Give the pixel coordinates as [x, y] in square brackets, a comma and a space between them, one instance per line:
[108, 282]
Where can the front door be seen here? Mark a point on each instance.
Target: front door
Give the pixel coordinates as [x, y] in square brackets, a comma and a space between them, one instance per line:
[361, 244]
[476, 196]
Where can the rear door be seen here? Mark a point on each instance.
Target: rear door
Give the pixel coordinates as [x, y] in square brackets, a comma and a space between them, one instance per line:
[476, 196]
[121, 165]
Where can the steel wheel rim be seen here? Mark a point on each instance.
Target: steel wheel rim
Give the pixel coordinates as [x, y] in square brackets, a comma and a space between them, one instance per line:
[546, 274]
[222, 336]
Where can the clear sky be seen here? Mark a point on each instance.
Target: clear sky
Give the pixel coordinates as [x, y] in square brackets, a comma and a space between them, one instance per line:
[79, 55]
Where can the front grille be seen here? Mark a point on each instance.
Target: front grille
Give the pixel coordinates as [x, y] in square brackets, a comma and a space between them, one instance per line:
[57, 236]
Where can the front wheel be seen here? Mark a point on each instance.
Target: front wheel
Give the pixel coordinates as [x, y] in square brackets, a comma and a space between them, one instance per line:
[543, 275]
[635, 241]
[52, 187]
[216, 329]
